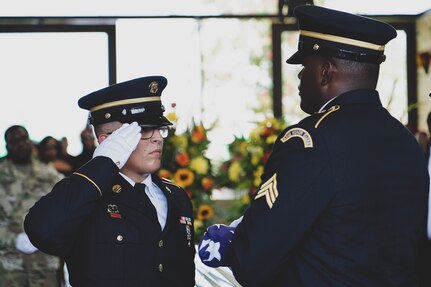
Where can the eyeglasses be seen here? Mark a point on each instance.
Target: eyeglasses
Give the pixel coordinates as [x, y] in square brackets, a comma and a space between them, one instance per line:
[148, 132]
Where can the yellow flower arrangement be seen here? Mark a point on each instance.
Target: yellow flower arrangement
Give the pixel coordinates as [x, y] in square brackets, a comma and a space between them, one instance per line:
[248, 156]
[185, 163]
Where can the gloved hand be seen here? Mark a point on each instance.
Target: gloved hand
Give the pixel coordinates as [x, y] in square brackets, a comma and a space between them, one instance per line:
[215, 246]
[120, 144]
[23, 244]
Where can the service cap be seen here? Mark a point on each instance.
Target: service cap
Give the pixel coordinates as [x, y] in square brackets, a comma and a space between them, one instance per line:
[339, 34]
[135, 100]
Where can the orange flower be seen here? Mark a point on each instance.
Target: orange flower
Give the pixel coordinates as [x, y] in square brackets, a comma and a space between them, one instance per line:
[205, 211]
[198, 134]
[207, 183]
[182, 158]
[184, 177]
[164, 173]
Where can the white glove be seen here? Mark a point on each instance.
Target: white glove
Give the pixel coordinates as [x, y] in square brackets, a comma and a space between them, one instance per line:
[24, 245]
[120, 144]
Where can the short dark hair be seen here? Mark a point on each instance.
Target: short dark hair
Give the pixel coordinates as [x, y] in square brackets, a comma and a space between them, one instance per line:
[11, 129]
[365, 74]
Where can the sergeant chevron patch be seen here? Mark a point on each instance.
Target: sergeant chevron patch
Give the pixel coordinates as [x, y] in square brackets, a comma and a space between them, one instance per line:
[298, 133]
[269, 190]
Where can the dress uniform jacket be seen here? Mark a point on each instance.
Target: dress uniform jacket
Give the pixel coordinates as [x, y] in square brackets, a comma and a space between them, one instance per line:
[342, 202]
[109, 234]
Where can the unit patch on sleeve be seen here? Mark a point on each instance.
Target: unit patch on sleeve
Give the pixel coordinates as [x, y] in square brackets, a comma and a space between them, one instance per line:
[269, 190]
[298, 133]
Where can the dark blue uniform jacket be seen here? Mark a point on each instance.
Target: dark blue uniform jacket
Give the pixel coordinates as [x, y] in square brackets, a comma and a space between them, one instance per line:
[109, 233]
[342, 202]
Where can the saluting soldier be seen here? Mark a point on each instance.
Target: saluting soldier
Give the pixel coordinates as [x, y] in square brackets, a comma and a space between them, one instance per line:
[344, 193]
[114, 220]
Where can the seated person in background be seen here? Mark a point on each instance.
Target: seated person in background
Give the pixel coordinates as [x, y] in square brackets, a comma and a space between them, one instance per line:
[49, 150]
[23, 180]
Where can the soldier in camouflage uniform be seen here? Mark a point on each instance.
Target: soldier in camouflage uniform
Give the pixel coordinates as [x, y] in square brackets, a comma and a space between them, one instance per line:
[23, 180]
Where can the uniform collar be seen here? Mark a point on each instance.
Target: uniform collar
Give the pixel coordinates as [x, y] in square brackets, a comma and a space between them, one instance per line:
[326, 104]
[362, 96]
[148, 181]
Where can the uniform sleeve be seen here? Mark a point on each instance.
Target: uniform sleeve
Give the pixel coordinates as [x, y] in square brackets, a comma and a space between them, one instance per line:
[54, 222]
[296, 187]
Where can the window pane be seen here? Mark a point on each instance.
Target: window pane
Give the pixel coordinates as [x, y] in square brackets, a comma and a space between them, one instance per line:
[43, 75]
[218, 70]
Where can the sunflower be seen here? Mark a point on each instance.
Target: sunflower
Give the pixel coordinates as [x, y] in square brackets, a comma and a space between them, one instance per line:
[184, 177]
[204, 212]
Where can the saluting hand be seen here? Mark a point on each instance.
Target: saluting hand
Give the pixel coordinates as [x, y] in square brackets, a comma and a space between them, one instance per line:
[120, 144]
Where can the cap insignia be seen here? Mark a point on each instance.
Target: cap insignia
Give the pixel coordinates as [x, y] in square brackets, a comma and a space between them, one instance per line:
[107, 115]
[154, 87]
[316, 47]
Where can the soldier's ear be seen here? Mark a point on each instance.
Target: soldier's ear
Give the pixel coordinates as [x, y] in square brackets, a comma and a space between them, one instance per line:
[328, 67]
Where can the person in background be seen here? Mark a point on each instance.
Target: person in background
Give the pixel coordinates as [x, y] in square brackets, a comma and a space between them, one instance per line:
[49, 151]
[114, 221]
[344, 193]
[64, 153]
[88, 142]
[23, 180]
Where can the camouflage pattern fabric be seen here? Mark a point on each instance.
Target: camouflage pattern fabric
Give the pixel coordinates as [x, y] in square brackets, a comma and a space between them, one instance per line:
[20, 188]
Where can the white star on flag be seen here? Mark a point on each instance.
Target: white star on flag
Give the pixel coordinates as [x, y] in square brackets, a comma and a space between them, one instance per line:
[213, 249]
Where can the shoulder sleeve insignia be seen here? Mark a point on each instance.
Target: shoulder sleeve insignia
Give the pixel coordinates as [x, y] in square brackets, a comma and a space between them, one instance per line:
[328, 112]
[298, 133]
[269, 191]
